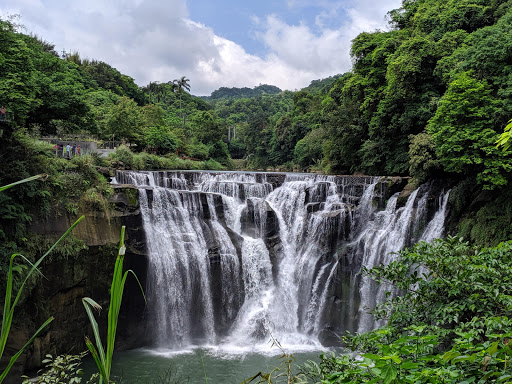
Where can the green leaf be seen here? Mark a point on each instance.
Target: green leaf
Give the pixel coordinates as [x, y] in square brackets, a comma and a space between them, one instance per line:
[493, 348]
[389, 373]
[372, 356]
[502, 378]
[409, 365]
[450, 355]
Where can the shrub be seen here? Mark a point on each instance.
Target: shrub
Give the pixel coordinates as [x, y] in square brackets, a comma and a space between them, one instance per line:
[64, 369]
[452, 323]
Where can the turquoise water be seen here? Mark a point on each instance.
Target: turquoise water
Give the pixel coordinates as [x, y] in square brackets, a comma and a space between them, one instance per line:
[150, 366]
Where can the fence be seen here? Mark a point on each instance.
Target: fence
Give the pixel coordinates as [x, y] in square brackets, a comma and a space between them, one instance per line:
[80, 145]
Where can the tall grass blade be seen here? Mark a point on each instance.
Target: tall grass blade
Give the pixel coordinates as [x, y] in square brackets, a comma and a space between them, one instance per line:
[90, 304]
[19, 353]
[97, 359]
[32, 178]
[9, 305]
[104, 360]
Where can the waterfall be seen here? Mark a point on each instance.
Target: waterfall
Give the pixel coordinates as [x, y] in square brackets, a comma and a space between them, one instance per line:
[234, 257]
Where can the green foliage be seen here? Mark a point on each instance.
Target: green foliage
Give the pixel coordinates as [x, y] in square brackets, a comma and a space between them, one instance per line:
[448, 283]
[108, 78]
[490, 222]
[423, 163]
[70, 247]
[161, 140]
[452, 324]
[103, 359]
[412, 357]
[308, 150]
[463, 133]
[125, 121]
[243, 93]
[236, 149]
[219, 152]
[322, 85]
[504, 140]
[17, 73]
[10, 305]
[63, 369]
[197, 150]
[76, 185]
[124, 158]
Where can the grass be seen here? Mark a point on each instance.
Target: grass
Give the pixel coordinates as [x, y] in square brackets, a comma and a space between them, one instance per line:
[9, 304]
[102, 358]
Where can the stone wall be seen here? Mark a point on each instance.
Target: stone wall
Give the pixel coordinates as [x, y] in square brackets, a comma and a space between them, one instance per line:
[89, 274]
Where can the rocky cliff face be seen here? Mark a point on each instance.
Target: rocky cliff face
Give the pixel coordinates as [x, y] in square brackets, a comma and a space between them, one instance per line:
[88, 274]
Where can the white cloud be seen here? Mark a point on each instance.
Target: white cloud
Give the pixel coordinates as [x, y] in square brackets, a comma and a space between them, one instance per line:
[155, 40]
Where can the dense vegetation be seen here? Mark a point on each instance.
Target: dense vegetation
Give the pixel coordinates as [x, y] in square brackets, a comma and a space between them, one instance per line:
[427, 98]
[451, 325]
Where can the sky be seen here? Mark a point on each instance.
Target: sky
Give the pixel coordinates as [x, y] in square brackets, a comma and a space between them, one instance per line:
[214, 43]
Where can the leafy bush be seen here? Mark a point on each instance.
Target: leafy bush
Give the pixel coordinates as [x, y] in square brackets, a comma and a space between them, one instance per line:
[452, 323]
[161, 140]
[423, 162]
[412, 358]
[237, 148]
[123, 155]
[197, 150]
[64, 369]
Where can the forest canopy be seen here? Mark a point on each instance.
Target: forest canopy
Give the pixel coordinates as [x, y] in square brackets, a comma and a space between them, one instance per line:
[430, 96]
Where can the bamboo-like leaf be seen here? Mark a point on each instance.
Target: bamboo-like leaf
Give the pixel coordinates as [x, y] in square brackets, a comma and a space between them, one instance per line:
[8, 307]
[28, 179]
[8, 311]
[138, 282]
[17, 355]
[90, 304]
[97, 359]
[104, 359]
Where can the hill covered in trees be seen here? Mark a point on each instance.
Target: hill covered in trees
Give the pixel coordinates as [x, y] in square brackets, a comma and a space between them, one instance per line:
[427, 98]
[238, 93]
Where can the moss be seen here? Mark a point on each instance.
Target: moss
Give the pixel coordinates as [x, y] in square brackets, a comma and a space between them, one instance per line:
[482, 217]
[132, 195]
[491, 224]
[69, 248]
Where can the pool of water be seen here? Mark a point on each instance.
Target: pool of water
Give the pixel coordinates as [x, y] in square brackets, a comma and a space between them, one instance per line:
[195, 365]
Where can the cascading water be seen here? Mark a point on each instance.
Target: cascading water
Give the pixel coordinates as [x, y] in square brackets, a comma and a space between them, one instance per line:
[235, 257]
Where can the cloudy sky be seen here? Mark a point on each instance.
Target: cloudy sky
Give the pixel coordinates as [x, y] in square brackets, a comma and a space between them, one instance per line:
[214, 43]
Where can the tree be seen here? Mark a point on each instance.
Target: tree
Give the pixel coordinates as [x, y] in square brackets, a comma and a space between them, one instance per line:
[207, 127]
[161, 140]
[125, 121]
[181, 84]
[308, 150]
[505, 139]
[423, 163]
[464, 135]
[17, 73]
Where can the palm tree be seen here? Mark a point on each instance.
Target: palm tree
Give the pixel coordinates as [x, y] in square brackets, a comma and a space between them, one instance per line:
[154, 91]
[181, 84]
